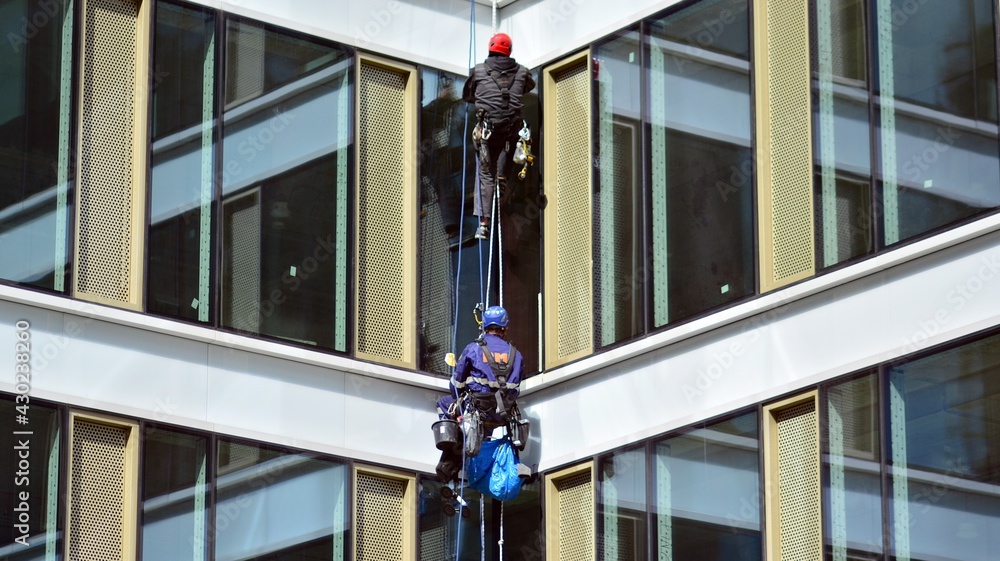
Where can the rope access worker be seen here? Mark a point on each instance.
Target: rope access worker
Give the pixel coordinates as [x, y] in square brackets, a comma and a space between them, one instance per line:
[477, 371]
[496, 87]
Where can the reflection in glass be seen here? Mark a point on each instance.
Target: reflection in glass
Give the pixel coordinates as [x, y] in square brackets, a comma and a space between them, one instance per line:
[617, 200]
[35, 124]
[39, 536]
[285, 174]
[622, 515]
[448, 251]
[182, 188]
[844, 219]
[443, 126]
[944, 434]
[273, 505]
[701, 167]
[853, 511]
[174, 492]
[938, 113]
[708, 493]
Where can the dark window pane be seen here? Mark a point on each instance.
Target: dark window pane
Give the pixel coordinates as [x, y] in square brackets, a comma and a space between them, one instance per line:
[273, 505]
[708, 493]
[622, 515]
[174, 496]
[29, 490]
[937, 113]
[285, 168]
[701, 168]
[618, 262]
[944, 434]
[853, 509]
[35, 121]
[182, 188]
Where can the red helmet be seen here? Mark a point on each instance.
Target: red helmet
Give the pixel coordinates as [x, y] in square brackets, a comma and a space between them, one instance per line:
[500, 43]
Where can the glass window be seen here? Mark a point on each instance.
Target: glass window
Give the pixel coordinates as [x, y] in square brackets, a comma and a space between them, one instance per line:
[707, 489]
[523, 533]
[183, 186]
[446, 236]
[285, 174]
[274, 505]
[35, 126]
[29, 488]
[937, 111]
[944, 435]
[841, 147]
[852, 466]
[452, 263]
[701, 160]
[618, 217]
[622, 515]
[174, 496]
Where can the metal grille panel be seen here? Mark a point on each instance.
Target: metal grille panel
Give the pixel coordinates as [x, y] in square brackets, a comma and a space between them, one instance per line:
[798, 483]
[789, 117]
[576, 517]
[242, 302]
[249, 64]
[107, 158]
[380, 518]
[573, 213]
[98, 492]
[381, 213]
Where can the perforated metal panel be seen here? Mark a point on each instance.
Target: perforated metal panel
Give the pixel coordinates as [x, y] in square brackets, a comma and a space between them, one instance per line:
[379, 519]
[386, 209]
[246, 61]
[798, 483]
[786, 177]
[569, 290]
[111, 165]
[576, 517]
[98, 491]
[241, 304]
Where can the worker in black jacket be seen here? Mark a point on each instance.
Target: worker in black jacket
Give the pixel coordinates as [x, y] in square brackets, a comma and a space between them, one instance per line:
[496, 87]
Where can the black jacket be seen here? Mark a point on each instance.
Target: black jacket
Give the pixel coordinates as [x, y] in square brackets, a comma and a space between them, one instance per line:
[485, 88]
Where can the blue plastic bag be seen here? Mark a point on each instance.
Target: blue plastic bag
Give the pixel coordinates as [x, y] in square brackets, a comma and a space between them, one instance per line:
[493, 472]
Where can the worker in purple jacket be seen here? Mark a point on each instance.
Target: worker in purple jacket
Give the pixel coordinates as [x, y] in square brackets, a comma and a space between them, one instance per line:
[487, 365]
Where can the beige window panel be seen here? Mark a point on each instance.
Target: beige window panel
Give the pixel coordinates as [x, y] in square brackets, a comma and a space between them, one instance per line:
[570, 514]
[385, 515]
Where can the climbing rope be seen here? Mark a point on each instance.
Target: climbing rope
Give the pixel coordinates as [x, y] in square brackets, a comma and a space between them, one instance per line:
[500, 541]
[494, 17]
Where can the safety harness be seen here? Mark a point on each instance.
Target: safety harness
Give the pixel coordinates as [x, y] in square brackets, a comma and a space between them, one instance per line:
[499, 372]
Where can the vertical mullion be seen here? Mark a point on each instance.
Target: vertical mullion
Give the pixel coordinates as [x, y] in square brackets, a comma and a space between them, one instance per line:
[65, 124]
[900, 524]
[658, 180]
[52, 494]
[215, 311]
[828, 162]
[211, 459]
[340, 282]
[207, 183]
[887, 112]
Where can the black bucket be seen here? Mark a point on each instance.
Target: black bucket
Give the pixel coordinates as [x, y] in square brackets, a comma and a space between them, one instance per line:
[447, 436]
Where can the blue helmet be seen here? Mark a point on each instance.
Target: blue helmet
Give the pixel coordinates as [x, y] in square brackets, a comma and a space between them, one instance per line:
[495, 316]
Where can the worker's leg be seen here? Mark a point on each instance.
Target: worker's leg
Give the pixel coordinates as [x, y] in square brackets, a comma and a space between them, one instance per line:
[483, 198]
[505, 158]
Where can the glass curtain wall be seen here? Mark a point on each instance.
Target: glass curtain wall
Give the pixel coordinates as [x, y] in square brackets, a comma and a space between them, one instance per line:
[944, 453]
[174, 496]
[707, 493]
[182, 190]
[35, 134]
[274, 505]
[446, 237]
[841, 128]
[622, 511]
[29, 490]
[852, 463]
[618, 216]
[701, 167]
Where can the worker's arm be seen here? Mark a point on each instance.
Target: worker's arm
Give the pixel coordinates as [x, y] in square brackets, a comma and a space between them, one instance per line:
[514, 380]
[529, 82]
[458, 379]
[469, 90]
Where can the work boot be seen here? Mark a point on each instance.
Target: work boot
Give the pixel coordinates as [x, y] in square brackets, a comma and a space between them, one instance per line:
[483, 233]
[448, 467]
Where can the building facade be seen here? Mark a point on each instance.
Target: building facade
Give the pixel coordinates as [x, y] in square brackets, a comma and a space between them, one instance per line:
[753, 274]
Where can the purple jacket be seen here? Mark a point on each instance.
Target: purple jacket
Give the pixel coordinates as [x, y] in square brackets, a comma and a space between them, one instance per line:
[472, 370]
